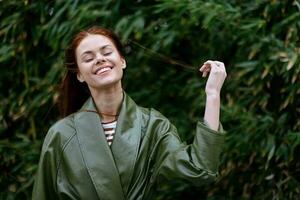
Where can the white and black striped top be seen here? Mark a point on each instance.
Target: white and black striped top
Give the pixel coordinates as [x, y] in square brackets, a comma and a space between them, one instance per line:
[109, 130]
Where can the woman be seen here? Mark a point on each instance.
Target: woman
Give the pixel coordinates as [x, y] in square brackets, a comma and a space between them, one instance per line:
[110, 148]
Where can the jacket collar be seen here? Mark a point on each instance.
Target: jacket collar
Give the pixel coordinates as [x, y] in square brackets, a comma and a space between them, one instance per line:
[109, 167]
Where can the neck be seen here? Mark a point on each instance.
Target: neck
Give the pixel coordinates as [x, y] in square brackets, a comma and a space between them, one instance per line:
[108, 102]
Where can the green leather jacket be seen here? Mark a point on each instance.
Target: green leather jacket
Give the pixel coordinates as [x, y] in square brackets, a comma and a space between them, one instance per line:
[77, 163]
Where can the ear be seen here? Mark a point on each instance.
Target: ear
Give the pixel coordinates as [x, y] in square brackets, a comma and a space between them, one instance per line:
[123, 63]
[79, 77]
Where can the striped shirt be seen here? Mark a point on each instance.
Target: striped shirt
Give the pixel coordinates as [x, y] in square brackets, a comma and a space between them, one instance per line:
[109, 130]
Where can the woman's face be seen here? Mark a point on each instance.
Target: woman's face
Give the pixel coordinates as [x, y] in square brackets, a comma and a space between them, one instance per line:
[99, 62]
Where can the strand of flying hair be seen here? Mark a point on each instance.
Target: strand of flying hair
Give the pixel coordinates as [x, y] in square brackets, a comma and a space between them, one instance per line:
[163, 57]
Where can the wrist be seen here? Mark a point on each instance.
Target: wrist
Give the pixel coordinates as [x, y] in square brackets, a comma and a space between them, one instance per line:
[212, 94]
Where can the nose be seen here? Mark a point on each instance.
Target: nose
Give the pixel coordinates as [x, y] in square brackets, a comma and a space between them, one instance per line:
[99, 58]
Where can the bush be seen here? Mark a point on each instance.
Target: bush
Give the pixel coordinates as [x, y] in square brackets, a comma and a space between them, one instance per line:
[257, 40]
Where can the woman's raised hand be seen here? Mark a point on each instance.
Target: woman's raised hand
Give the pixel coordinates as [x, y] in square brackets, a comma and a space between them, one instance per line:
[217, 75]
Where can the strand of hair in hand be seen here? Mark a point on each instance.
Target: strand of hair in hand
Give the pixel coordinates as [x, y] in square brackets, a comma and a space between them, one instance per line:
[166, 59]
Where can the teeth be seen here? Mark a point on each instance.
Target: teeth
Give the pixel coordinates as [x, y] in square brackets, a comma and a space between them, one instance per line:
[102, 70]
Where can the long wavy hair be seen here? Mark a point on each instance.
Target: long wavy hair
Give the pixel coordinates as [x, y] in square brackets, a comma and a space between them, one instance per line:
[72, 92]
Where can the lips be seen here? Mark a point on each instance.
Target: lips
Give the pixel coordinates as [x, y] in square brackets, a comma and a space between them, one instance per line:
[101, 70]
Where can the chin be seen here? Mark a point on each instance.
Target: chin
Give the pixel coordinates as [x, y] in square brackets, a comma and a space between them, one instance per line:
[109, 84]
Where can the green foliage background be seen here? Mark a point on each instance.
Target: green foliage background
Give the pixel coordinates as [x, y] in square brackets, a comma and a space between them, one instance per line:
[258, 41]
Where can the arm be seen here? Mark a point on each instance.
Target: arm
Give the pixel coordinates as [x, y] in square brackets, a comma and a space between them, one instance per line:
[212, 111]
[199, 161]
[213, 87]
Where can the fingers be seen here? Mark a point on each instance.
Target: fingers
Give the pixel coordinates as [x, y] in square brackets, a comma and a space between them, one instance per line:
[205, 69]
[221, 68]
[212, 66]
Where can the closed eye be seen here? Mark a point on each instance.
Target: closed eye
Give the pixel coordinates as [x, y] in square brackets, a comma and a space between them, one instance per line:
[107, 53]
[88, 60]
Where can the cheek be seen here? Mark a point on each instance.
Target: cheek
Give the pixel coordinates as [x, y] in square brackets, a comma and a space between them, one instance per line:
[83, 68]
[116, 59]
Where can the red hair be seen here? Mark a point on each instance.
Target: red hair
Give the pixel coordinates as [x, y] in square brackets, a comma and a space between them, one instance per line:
[72, 92]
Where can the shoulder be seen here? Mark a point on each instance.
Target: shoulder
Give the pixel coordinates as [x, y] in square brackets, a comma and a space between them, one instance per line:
[154, 124]
[60, 132]
[66, 123]
[156, 121]
[58, 137]
[151, 112]
[153, 115]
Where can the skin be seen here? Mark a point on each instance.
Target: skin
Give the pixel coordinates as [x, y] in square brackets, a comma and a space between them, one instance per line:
[216, 78]
[93, 53]
[96, 51]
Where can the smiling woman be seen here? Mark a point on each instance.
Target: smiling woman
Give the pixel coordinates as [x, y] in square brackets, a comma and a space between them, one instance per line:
[80, 56]
[99, 62]
[106, 146]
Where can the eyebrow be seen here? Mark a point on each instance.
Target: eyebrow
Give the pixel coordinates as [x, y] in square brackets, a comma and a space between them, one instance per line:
[90, 52]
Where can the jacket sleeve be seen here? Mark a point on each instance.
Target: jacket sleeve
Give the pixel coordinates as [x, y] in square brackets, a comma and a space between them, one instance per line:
[45, 180]
[197, 163]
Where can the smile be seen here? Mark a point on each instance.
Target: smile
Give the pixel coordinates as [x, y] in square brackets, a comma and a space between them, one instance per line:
[102, 70]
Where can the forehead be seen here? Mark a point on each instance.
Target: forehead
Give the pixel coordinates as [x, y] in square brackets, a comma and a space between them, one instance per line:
[92, 42]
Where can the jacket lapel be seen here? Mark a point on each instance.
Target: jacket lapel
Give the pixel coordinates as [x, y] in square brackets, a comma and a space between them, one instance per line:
[97, 154]
[126, 141]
